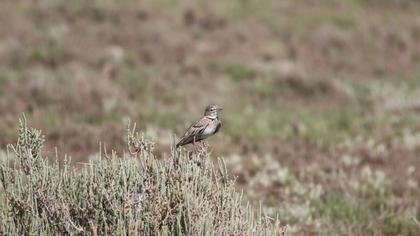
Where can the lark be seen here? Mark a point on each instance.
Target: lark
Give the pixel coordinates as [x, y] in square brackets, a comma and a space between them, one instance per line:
[205, 127]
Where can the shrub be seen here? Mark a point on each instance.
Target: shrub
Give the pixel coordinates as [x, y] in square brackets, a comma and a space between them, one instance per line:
[137, 194]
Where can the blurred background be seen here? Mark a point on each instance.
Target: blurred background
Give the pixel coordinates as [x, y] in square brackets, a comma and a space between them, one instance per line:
[321, 97]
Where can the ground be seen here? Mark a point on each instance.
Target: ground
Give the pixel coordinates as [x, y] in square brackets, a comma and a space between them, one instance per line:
[321, 98]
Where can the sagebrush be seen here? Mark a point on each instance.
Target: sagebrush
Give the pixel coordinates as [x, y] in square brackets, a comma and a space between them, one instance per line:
[137, 194]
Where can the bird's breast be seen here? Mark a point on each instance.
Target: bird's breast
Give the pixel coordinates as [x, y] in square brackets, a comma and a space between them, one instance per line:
[211, 128]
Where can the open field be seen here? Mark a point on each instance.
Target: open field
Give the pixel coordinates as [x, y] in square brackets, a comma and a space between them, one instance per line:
[321, 119]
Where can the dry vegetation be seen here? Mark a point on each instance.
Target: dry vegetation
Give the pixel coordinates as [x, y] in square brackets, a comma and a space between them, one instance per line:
[134, 195]
[321, 97]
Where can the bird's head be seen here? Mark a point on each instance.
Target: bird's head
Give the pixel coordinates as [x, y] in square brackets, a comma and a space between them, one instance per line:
[212, 111]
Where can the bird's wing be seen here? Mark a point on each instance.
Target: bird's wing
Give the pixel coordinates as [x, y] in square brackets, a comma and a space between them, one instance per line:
[195, 129]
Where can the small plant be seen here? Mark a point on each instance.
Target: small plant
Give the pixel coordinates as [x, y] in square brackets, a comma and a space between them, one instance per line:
[137, 194]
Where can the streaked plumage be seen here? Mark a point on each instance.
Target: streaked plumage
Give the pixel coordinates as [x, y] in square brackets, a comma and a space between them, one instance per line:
[208, 125]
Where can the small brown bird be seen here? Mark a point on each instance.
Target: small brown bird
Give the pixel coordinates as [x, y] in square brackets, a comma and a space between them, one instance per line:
[208, 125]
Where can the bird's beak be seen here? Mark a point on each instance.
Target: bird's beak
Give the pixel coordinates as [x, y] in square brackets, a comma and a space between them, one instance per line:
[220, 108]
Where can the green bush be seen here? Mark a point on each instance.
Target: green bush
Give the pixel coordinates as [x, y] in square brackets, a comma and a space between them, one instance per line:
[137, 194]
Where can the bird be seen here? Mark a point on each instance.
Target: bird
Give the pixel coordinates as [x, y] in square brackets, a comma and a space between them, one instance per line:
[208, 125]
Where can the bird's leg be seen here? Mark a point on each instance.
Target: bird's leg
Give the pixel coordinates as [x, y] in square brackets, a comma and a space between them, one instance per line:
[203, 147]
[196, 146]
[200, 150]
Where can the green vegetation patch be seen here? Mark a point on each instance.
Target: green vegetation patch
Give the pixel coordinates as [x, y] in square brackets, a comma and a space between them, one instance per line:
[339, 209]
[239, 72]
